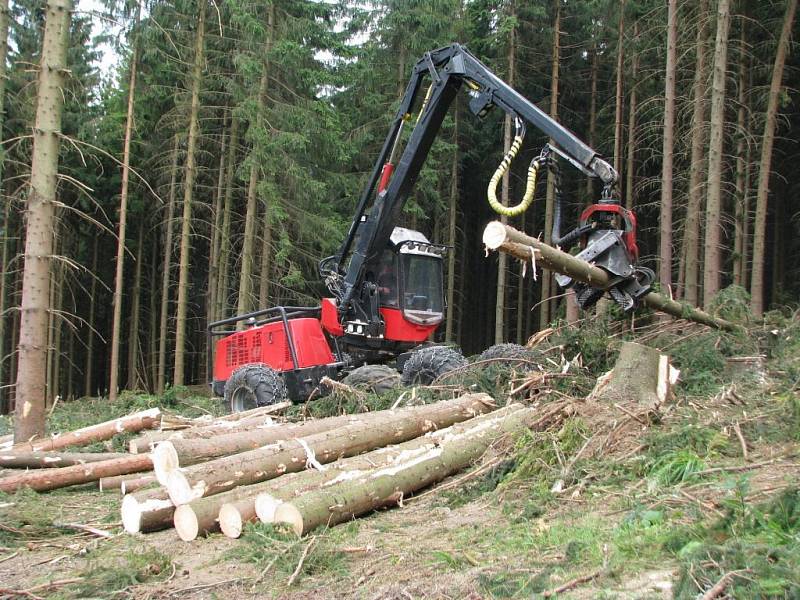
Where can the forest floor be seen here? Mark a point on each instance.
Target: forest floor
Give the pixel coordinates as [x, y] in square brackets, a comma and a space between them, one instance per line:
[666, 510]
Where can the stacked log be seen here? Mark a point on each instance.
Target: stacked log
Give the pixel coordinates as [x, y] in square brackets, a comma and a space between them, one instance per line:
[393, 426]
[45, 460]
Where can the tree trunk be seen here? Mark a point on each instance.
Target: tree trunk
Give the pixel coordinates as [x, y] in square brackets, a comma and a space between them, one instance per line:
[224, 241]
[266, 258]
[188, 191]
[90, 334]
[222, 474]
[742, 165]
[116, 324]
[13, 459]
[503, 238]
[768, 139]
[146, 511]
[216, 230]
[133, 332]
[630, 165]
[4, 406]
[618, 104]
[547, 277]
[502, 263]
[712, 251]
[694, 208]
[34, 309]
[51, 479]
[592, 117]
[452, 213]
[165, 273]
[251, 217]
[382, 487]
[153, 336]
[57, 327]
[146, 419]
[665, 222]
[126, 484]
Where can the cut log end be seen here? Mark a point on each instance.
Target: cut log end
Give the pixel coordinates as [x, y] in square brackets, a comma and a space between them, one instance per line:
[288, 514]
[266, 505]
[230, 521]
[131, 514]
[179, 488]
[165, 461]
[494, 235]
[186, 523]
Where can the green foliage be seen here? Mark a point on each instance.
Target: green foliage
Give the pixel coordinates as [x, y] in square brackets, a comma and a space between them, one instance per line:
[275, 550]
[477, 487]
[701, 363]
[114, 569]
[761, 542]
[675, 468]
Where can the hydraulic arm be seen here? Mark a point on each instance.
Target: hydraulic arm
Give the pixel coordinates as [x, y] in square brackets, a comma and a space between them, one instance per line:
[392, 177]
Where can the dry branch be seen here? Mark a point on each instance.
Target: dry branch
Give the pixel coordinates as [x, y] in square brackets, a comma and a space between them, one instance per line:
[503, 238]
[271, 461]
[146, 419]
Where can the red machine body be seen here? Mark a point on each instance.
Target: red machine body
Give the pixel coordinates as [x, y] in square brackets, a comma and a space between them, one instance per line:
[268, 344]
[611, 212]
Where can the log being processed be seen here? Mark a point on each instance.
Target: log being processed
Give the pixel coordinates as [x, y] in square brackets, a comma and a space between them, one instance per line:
[503, 238]
[223, 474]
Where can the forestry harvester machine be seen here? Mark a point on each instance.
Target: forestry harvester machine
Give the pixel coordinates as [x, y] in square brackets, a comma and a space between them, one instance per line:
[385, 282]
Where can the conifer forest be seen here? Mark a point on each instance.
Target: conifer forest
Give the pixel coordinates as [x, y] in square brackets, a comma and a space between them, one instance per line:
[399, 299]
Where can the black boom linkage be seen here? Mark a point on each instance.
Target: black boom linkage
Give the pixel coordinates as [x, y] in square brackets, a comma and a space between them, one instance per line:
[448, 69]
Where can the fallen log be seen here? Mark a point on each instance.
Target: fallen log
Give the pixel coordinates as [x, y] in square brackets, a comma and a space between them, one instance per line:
[257, 417]
[130, 483]
[146, 419]
[508, 240]
[44, 460]
[229, 511]
[253, 466]
[364, 492]
[172, 454]
[43, 480]
[146, 511]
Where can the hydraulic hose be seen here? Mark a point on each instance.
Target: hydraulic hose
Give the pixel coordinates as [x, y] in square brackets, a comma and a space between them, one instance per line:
[530, 186]
[570, 237]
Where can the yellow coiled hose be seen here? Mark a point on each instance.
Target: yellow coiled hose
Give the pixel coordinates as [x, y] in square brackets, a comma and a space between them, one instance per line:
[530, 186]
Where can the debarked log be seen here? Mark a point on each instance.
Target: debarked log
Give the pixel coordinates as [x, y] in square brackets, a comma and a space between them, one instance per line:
[253, 466]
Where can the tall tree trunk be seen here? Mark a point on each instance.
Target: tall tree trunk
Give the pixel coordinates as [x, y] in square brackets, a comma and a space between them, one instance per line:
[152, 351]
[225, 235]
[251, 219]
[188, 191]
[592, 116]
[742, 164]
[266, 258]
[694, 208]
[216, 231]
[502, 263]
[89, 367]
[165, 273]
[665, 221]
[6, 205]
[630, 164]
[547, 277]
[452, 213]
[762, 191]
[133, 332]
[620, 88]
[32, 363]
[116, 325]
[712, 255]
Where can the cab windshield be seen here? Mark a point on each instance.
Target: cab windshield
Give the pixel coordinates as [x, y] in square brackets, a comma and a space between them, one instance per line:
[422, 287]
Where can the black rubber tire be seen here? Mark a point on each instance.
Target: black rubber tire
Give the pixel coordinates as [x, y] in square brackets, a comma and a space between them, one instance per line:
[373, 378]
[252, 386]
[509, 351]
[426, 364]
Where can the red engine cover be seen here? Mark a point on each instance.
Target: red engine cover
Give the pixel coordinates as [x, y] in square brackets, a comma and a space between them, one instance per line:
[629, 219]
[398, 329]
[268, 344]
